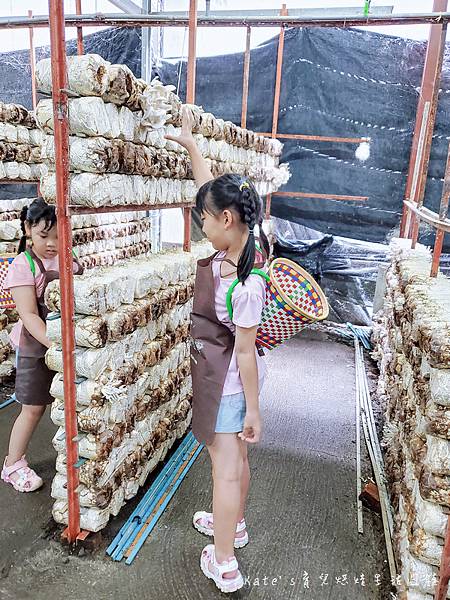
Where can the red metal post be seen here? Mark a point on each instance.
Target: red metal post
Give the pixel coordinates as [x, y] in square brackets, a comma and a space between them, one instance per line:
[443, 212]
[245, 79]
[80, 45]
[192, 52]
[425, 119]
[276, 98]
[60, 108]
[444, 569]
[190, 99]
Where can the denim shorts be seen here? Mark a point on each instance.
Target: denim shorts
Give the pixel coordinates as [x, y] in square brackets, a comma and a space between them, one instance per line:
[232, 409]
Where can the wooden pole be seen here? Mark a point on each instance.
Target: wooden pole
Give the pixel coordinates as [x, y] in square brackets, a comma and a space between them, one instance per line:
[276, 98]
[32, 65]
[246, 79]
[443, 212]
[80, 44]
[425, 119]
[190, 99]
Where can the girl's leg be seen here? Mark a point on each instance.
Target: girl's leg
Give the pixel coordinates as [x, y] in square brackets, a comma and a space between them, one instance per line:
[22, 431]
[245, 482]
[226, 456]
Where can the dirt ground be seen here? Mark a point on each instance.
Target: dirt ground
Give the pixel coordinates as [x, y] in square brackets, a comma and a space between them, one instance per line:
[301, 513]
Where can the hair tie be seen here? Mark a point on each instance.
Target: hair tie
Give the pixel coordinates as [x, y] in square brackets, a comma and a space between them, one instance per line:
[251, 231]
[244, 184]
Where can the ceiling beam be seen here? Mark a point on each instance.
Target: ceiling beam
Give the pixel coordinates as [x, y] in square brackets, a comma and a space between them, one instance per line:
[167, 19]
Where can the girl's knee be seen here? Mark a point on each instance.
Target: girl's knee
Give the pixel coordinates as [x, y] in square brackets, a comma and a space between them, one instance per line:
[230, 473]
[33, 412]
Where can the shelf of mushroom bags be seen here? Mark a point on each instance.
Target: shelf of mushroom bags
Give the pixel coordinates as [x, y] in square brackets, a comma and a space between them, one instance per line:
[20, 145]
[133, 389]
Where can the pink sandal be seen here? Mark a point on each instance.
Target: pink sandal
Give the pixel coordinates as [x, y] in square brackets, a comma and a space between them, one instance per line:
[28, 480]
[203, 522]
[215, 571]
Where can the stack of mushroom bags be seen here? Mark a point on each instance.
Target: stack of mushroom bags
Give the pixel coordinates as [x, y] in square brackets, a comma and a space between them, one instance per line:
[10, 233]
[10, 228]
[412, 346]
[20, 144]
[118, 151]
[104, 239]
[133, 386]
[8, 316]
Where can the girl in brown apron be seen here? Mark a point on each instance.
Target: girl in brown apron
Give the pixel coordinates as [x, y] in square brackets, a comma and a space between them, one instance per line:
[28, 276]
[223, 356]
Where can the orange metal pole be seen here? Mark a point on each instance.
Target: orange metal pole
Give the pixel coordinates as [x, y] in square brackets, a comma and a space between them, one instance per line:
[315, 138]
[80, 45]
[33, 79]
[60, 108]
[425, 119]
[443, 212]
[190, 99]
[444, 568]
[438, 47]
[190, 88]
[246, 79]
[32, 64]
[276, 98]
[321, 196]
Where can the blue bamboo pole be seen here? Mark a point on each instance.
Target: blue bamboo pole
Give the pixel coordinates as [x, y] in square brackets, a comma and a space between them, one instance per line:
[149, 527]
[153, 501]
[136, 516]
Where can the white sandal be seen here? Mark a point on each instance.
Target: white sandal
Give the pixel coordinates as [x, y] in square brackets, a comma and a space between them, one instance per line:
[27, 480]
[203, 522]
[208, 561]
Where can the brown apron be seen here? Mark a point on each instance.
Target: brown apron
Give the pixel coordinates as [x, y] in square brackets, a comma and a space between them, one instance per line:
[212, 344]
[33, 377]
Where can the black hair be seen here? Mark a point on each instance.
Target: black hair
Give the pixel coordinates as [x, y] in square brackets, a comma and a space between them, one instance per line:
[38, 211]
[232, 191]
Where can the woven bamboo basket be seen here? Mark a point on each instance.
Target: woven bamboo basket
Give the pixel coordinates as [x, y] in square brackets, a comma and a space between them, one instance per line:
[294, 300]
[6, 300]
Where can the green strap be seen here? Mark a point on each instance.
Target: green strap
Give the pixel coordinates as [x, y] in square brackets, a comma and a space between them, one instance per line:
[260, 272]
[30, 262]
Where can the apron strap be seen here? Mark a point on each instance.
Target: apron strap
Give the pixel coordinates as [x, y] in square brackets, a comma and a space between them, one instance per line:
[31, 257]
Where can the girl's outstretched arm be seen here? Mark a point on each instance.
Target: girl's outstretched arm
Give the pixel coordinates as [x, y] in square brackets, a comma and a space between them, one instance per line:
[200, 168]
[24, 297]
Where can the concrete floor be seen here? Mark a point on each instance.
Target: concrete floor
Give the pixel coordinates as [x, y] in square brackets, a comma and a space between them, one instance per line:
[301, 513]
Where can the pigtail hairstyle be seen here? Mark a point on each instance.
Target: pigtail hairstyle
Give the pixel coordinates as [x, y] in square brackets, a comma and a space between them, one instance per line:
[23, 239]
[247, 258]
[38, 211]
[232, 191]
[265, 246]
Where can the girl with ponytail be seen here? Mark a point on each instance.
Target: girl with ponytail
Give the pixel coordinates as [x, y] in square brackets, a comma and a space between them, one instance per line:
[28, 275]
[227, 372]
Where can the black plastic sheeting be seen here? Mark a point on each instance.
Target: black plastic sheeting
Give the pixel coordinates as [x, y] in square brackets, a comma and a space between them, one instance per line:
[336, 82]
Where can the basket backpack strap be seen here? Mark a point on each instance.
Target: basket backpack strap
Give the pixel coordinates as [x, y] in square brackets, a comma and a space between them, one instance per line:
[229, 303]
[30, 262]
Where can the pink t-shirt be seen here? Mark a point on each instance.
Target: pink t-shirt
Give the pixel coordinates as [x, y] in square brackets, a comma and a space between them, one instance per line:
[248, 303]
[19, 274]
